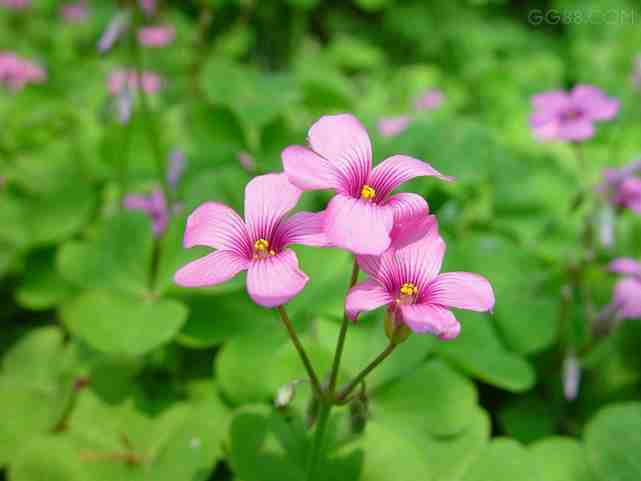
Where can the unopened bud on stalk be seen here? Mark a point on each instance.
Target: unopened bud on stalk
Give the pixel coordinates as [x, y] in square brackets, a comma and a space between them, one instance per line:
[285, 394]
[396, 332]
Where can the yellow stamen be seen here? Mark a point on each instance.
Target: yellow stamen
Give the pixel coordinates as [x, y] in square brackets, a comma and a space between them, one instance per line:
[368, 192]
[261, 245]
[409, 289]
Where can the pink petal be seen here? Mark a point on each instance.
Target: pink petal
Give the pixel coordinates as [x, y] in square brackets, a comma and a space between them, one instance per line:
[136, 202]
[343, 141]
[554, 100]
[214, 268]
[358, 225]
[307, 228]
[594, 103]
[366, 296]
[411, 219]
[397, 169]
[625, 265]
[392, 126]
[627, 298]
[430, 318]
[308, 170]
[267, 199]
[547, 131]
[420, 262]
[274, 281]
[216, 225]
[581, 129]
[462, 290]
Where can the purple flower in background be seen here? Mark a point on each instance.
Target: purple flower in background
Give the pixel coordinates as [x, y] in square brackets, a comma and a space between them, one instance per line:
[16, 4]
[406, 280]
[159, 36]
[124, 84]
[16, 73]
[117, 26]
[75, 12]
[361, 215]
[257, 244]
[148, 6]
[154, 205]
[431, 99]
[626, 300]
[393, 126]
[622, 187]
[570, 116]
[571, 376]
[176, 168]
[246, 161]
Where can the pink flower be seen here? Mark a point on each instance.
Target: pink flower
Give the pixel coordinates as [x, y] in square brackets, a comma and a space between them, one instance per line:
[393, 126]
[560, 115]
[430, 100]
[361, 215]
[16, 4]
[16, 73]
[259, 244]
[176, 168]
[149, 6]
[159, 36]
[75, 12]
[154, 205]
[621, 187]
[119, 80]
[246, 161]
[406, 279]
[626, 302]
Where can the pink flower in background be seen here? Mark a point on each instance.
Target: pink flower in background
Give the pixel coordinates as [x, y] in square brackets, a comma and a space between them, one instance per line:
[246, 161]
[430, 100]
[16, 73]
[159, 36]
[570, 116]
[626, 301]
[177, 164]
[361, 215]
[406, 280]
[148, 6]
[118, 25]
[129, 79]
[622, 187]
[392, 126]
[75, 12]
[16, 4]
[154, 205]
[258, 244]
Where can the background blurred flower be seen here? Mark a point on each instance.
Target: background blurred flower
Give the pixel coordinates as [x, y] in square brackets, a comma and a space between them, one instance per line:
[392, 126]
[75, 12]
[360, 217]
[176, 167]
[571, 376]
[430, 100]
[258, 244]
[626, 300]
[119, 79]
[16, 4]
[116, 27]
[159, 36]
[16, 72]
[154, 205]
[148, 6]
[560, 115]
[622, 187]
[246, 161]
[406, 279]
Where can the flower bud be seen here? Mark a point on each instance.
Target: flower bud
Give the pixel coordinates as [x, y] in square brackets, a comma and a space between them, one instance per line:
[396, 332]
[285, 394]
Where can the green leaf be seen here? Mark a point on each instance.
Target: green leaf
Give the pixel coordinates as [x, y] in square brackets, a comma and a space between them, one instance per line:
[42, 286]
[120, 323]
[530, 418]
[613, 442]
[561, 459]
[61, 463]
[493, 363]
[36, 383]
[119, 258]
[503, 460]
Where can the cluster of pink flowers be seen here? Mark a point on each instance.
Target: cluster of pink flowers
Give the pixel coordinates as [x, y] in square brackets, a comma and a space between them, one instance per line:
[123, 85]
[75, 12]
[157, 36]
[395, 240]
[16, 72]
[570, 116]
[16, 4]
[393, 126]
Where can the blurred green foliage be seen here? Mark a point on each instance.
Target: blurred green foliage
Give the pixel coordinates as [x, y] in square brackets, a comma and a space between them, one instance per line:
[111, 372]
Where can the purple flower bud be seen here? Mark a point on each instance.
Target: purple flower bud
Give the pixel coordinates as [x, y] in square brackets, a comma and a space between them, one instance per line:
[571, 376]
[117, 26]
[246, 161]
[176, 168]
[124, 103]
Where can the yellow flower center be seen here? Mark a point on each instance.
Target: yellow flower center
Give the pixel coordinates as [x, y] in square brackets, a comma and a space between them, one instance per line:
[409, 289]
[368, 192]
[261, 249]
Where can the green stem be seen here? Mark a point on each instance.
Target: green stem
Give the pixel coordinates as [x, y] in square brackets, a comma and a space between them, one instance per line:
[342, 395]
[301, 352]
[316, 452]
[340, 343]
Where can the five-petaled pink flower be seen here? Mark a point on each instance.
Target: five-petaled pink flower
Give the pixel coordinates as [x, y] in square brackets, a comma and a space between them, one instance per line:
[406, 279]
[361, 215]
[259, 244]
[157, 36]
[560, 115]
